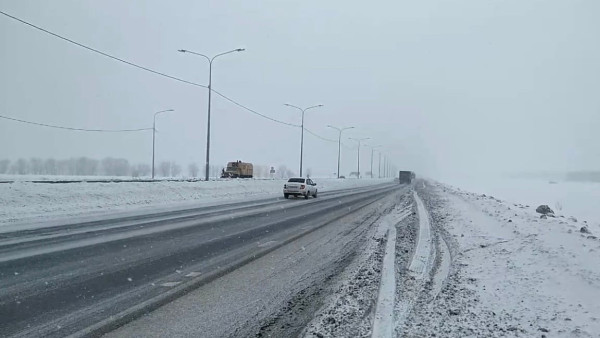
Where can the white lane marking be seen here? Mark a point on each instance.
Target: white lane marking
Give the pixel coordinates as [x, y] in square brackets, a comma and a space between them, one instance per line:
[170, 284]
[193, 274]
[383, 323]
[265, 244]
[422, 254]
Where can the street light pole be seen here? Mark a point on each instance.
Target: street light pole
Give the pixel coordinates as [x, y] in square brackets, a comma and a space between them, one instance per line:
[302, 127]
[379, 166]
[340, 130]
[154, 136]
[372, 151]
[210, 61]
[359, 140]
[384, 166]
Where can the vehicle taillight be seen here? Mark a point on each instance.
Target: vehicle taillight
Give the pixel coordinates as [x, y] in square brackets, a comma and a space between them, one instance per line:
[302, 186]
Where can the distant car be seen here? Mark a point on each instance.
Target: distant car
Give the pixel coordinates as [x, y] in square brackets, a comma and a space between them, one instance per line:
[299, 186]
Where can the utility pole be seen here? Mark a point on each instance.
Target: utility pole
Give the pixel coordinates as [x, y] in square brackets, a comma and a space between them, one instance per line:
[154, 136]
[359, 140]
[210, 62]
[340, 130]
[302, 132]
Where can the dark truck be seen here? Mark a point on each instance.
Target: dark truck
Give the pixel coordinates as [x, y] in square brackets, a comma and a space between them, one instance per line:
[406, 177]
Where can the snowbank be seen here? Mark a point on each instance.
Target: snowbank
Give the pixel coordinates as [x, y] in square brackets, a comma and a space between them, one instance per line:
[26, 201]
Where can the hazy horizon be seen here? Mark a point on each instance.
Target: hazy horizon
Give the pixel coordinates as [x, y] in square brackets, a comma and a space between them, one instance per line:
[448, 88]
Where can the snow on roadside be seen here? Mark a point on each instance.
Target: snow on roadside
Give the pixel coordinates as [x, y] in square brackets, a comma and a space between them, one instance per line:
[383, 322]
[30, 202]
[350, 310]
[513, 274]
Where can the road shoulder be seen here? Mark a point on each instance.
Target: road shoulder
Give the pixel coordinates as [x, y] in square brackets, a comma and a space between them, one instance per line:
[512, 274]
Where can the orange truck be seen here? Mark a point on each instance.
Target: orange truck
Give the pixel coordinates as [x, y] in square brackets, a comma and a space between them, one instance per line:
[238, 169]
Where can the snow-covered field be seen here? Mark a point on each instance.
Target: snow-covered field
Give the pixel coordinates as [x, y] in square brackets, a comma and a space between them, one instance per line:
[513, 273]
[580, 199]
[23, 201]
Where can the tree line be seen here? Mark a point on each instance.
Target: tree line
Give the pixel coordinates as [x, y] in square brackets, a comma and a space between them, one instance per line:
[77, 166]
[109, 166]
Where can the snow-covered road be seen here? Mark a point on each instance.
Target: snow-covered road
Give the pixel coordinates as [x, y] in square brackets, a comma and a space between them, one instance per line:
[90, 277]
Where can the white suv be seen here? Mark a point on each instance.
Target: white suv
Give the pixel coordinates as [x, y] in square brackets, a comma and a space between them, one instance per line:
[298, 186]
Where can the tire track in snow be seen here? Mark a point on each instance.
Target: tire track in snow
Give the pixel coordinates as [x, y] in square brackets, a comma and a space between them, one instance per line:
[420, 264]
[420, 261]
[383, 323]
[444, 268]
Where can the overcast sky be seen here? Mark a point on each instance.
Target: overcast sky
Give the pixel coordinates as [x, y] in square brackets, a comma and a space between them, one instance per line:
[447, 87]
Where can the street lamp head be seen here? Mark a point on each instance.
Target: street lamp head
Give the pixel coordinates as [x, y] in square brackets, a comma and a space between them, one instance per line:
[182, 50]
[240, 49]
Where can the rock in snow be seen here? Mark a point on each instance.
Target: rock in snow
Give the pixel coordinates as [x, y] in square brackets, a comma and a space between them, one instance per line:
[584, 230]
[454, 312]
[544, 210]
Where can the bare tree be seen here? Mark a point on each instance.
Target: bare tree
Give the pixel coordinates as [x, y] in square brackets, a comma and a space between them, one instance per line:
[308, 172]
[36, 166]
[214, 171]
[140, 170]
[50, 167]
[62, 167]
[144, 169]
[193, 169]
[282, 170]
[122, 167]
[164, 168]
[21, 167]
[175, 169]
[108, 166]
[115, 166]
[261, 171]
[4, 165]
[86, 166]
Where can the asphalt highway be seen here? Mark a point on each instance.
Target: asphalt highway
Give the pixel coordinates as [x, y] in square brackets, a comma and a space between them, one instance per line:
[88, 278]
